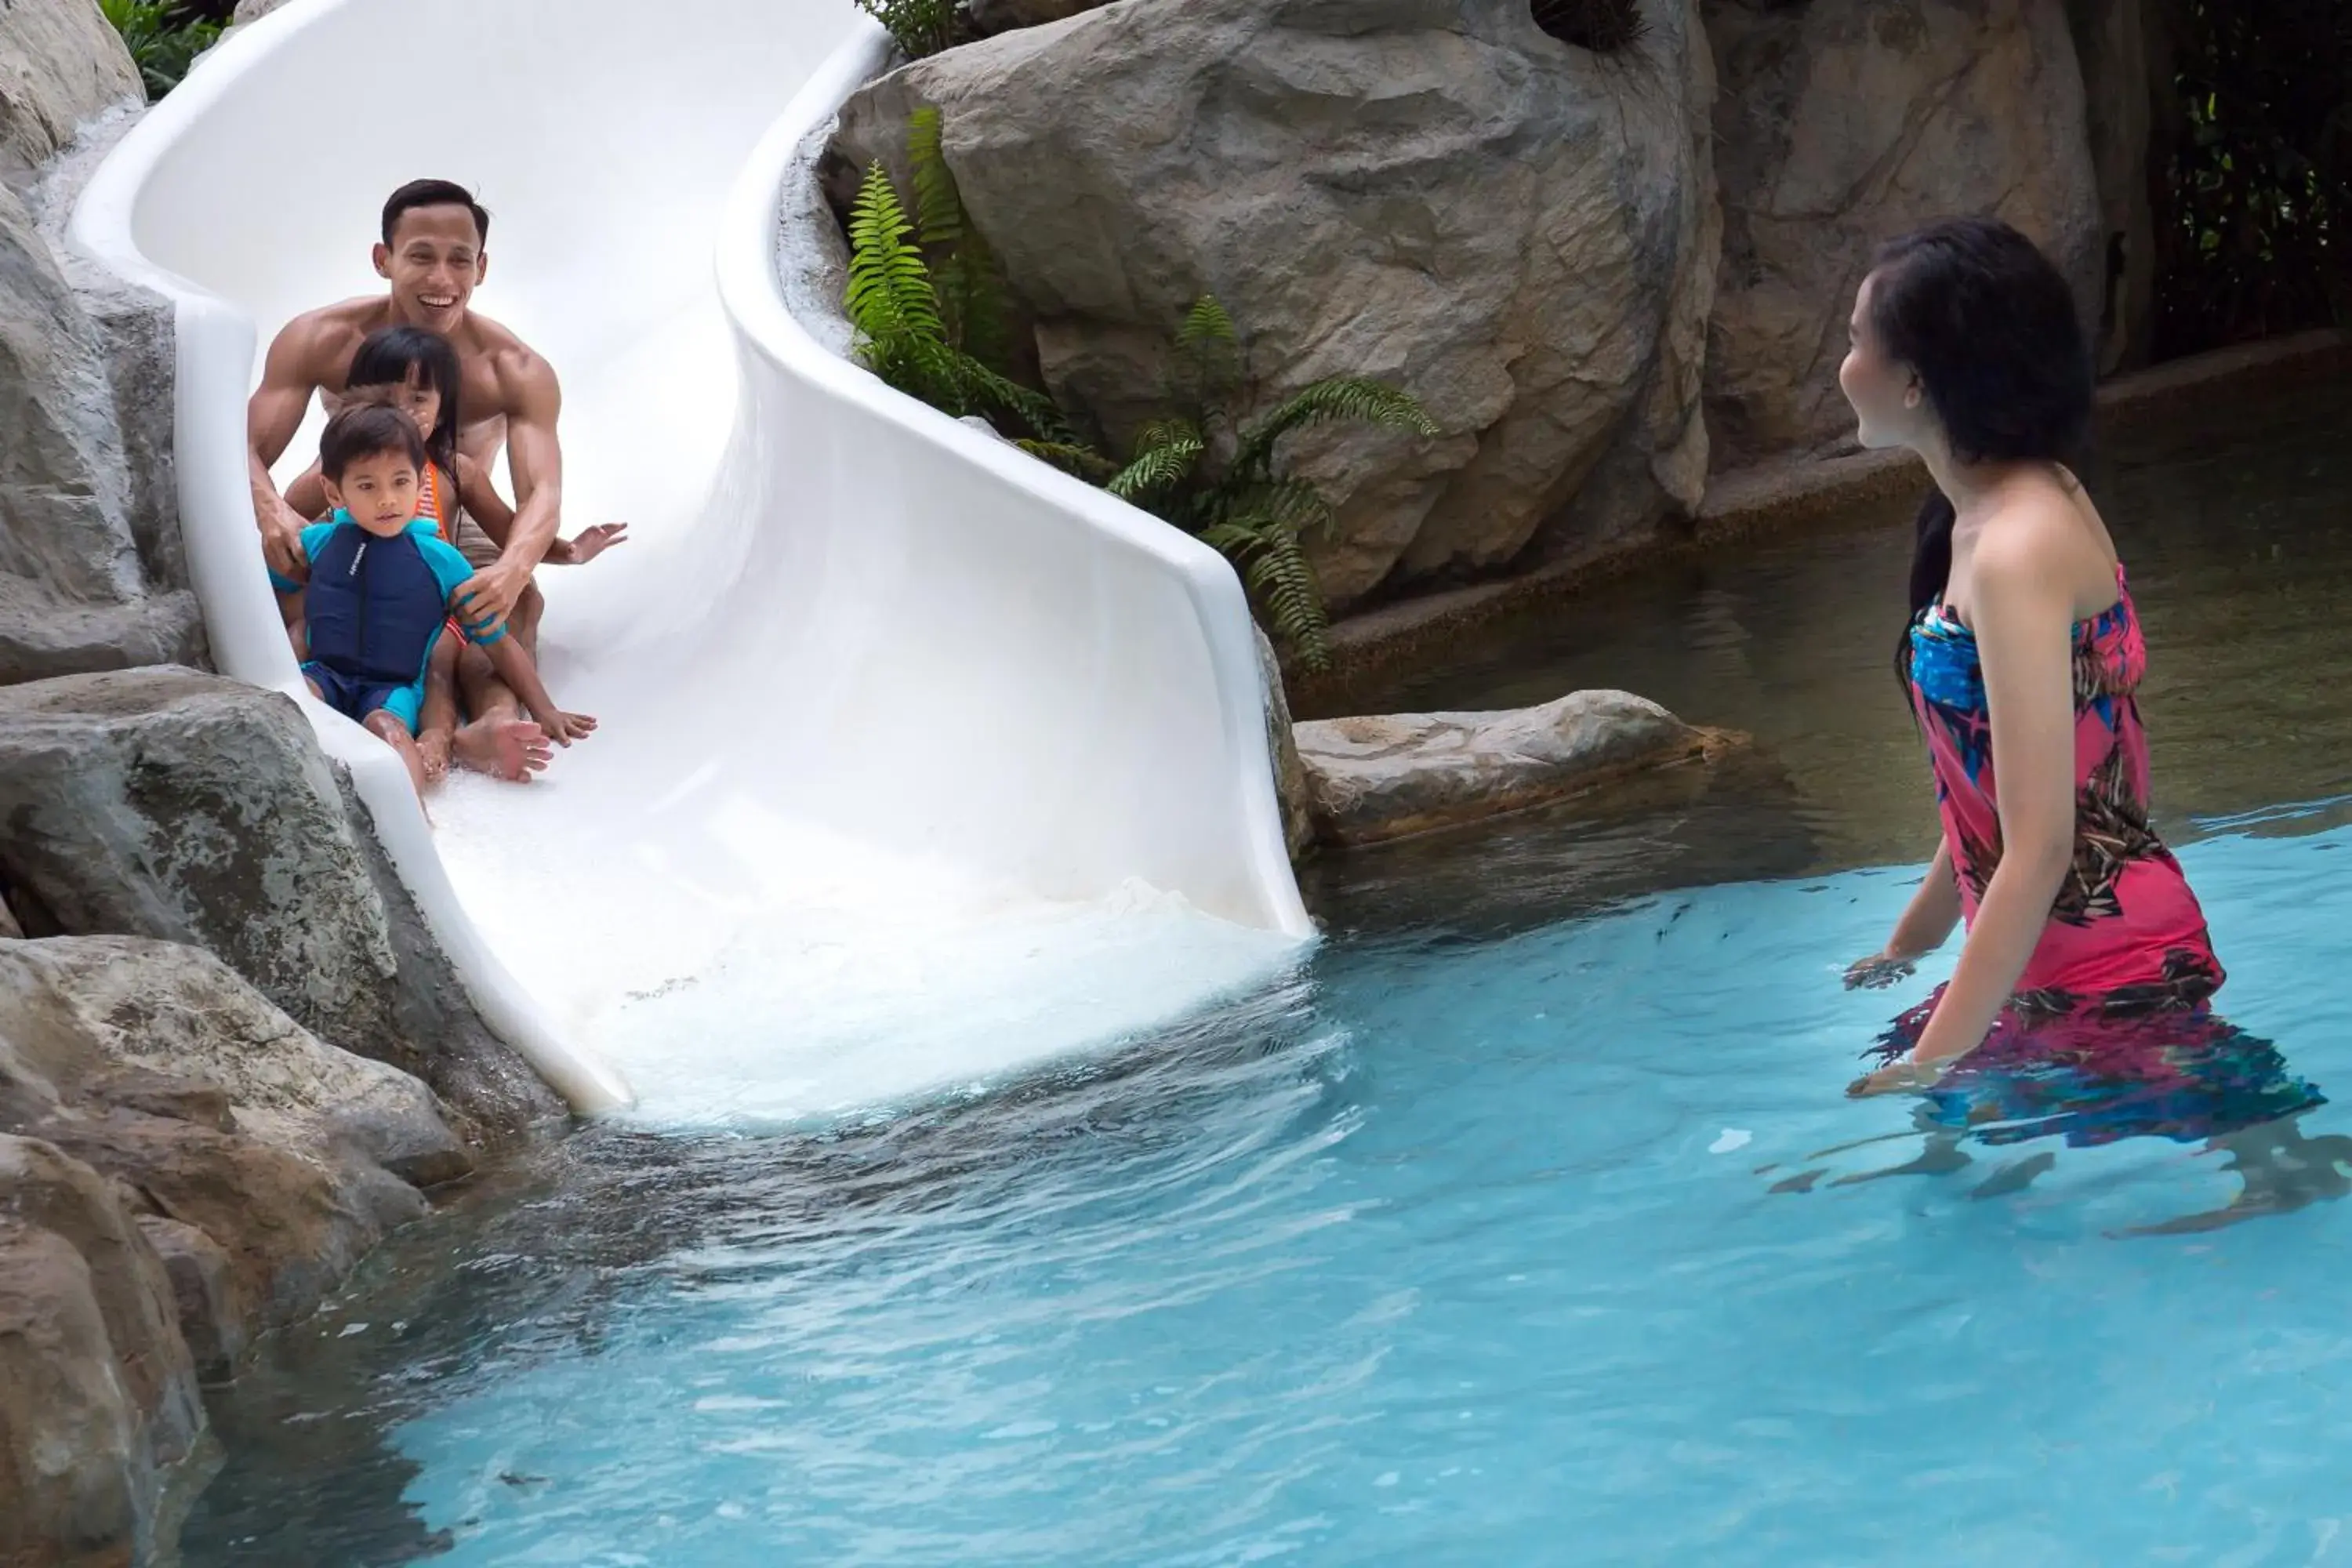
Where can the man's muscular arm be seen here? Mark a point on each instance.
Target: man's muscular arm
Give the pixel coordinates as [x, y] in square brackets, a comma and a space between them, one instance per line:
[287, 380]
[536, 464]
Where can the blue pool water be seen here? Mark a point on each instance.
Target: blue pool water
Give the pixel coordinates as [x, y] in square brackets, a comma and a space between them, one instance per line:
[1457, 1247]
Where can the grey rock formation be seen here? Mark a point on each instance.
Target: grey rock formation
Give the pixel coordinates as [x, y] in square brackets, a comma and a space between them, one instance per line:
[1840, 124]
[283, 1156]
[74, 594]
[1431, 192]
[1290, 789]
[133, 331]
[1388, 776]
[60, 64]
[133, 1022]
[89, 563]
[168, 803]
[97, 1395]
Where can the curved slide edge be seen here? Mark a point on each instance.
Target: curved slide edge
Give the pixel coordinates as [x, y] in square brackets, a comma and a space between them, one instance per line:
[1164, 614]
[213, 348]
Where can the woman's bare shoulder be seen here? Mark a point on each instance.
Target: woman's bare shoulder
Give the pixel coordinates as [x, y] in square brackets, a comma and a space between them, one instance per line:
[2047, 532]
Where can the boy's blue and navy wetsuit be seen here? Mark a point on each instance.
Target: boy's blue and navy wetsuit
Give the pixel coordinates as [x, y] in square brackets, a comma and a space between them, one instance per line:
[375, 608]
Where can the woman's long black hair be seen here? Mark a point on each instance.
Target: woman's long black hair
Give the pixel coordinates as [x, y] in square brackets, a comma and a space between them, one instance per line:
[390, 356]
[1990, 328]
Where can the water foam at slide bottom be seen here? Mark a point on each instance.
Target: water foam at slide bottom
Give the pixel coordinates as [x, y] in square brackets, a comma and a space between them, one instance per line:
[855, 978]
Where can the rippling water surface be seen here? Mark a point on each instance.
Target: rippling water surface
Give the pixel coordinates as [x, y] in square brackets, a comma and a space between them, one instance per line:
[1454, 1248]
[1524, 1222]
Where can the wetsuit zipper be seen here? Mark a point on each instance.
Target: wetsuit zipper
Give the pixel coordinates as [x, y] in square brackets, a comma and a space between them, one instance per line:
[358, 575]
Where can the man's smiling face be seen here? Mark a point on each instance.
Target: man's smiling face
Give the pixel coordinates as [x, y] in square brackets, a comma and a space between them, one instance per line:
[435, 261]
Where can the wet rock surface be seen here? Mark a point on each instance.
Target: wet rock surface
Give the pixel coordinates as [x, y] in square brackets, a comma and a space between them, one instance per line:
[1390, 775]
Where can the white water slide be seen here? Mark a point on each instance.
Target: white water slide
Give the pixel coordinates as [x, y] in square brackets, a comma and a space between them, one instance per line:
[918, 760]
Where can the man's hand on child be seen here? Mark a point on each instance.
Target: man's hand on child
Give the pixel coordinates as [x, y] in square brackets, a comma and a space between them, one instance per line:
[587, 544]
[486, 599]
[281, 543]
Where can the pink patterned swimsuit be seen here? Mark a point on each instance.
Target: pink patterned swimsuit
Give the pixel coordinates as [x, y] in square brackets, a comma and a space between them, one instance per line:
[2125, 934]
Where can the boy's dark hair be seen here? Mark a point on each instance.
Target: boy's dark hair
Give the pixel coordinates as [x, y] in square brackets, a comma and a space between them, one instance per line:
[363, 428]
[390, 356]
[435, 194]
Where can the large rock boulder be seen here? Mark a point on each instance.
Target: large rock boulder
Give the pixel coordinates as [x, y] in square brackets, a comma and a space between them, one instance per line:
[74, 594]
[60, 64]
[91, 573]
[135, 332]
[1431, 192]
[102, 1016]
[265, 1162]
[1388, 776]
[97, 1395]
[1841, 123]
[176, 806]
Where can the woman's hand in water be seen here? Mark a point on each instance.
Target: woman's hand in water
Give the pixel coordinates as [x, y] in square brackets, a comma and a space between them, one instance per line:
[1879, 971]
[1906, 1075]
[587, 544]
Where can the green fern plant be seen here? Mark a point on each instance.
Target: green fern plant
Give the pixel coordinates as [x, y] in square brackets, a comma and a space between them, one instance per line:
[964, 271]
[1244, 506]
[164, 39]
[904, 335]
[919, 28]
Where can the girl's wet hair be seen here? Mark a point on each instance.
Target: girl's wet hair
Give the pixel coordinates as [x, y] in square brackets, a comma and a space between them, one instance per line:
[364, 429]
[393, 356]
[1990, 328]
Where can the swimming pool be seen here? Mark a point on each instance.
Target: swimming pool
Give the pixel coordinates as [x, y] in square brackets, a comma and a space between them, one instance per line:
[1453, 1248]
[1523, 1222]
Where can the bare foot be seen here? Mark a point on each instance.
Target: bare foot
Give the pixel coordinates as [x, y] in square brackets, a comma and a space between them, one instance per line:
[510, 749]
[432, 749]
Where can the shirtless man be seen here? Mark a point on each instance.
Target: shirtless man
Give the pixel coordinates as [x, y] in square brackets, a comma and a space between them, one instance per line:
[433, 254]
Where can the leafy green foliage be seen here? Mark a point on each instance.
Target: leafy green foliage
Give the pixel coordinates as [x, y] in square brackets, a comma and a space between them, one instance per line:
[165, 38]
[918, 26]
[1166, 454]
[964, 271]
[1243, 505]
[2258, 237]
[906, 338]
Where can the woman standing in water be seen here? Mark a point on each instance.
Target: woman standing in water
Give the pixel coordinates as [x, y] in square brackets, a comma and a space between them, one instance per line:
[2021, 657]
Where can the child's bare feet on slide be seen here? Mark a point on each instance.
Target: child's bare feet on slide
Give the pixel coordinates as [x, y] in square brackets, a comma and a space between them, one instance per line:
[510, 749]
[433, 750]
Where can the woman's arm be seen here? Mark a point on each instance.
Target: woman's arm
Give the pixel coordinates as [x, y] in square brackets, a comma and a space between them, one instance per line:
[2024, 627]
[1926, 925]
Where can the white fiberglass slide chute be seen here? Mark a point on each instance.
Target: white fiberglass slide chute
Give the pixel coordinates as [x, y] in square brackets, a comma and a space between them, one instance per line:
[917, 759]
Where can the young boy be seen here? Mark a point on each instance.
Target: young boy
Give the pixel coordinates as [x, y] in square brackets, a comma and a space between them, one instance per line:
[381, 586]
